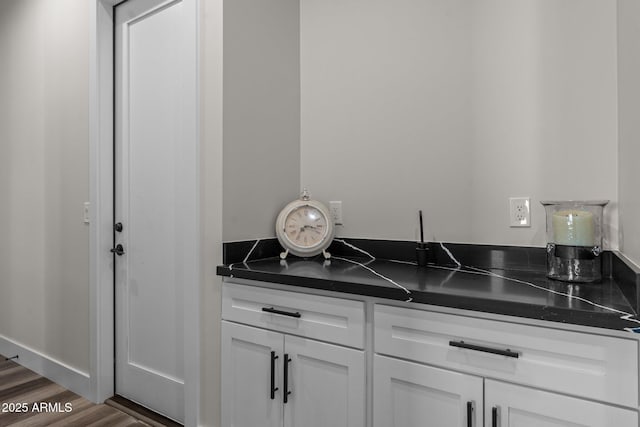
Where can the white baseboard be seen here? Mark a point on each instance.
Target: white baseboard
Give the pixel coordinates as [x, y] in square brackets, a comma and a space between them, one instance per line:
[68, 377]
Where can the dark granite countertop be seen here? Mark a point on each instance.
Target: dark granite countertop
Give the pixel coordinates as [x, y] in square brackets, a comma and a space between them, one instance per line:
[522, 292]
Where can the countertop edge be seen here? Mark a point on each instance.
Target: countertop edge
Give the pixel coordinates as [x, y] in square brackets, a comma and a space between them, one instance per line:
[607, 321]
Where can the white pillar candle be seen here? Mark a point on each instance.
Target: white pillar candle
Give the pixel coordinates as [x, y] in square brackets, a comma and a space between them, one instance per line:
[574, 228]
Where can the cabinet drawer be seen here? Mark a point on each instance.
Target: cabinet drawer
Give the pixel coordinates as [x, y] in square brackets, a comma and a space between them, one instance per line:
[328, 319]
[593, 366]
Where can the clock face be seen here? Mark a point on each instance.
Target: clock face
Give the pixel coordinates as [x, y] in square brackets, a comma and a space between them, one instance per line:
[305, 226]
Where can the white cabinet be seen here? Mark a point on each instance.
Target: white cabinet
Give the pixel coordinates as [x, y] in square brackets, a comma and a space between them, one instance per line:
[271, 378]
[508, 405]
[291, 359]
[408, 394]
[429, 365]
[592, 366]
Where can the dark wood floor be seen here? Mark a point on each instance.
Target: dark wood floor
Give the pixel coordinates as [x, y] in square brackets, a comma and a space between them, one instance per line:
[29, 400]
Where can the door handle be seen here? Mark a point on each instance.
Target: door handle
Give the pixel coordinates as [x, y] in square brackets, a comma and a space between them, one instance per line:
[273, 375]
[462, 344]
[297, 315]
[118, 250]
[494, 416]
[470, 414]
[287, 392]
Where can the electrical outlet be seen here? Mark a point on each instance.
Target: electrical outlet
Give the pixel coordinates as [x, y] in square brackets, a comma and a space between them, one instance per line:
[335, 209]
[519, 212]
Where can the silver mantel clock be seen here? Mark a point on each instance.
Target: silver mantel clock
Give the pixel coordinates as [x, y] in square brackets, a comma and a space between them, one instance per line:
[304, 228]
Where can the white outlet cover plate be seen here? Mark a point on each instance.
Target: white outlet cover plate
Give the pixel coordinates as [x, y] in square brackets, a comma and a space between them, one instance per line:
[335, 209]
[519, 212]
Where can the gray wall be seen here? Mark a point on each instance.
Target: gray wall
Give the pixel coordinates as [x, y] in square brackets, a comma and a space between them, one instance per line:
[629, 110]
[44, 254]
[385, 114]
[452, 107]
[261, 114]
[545, 112]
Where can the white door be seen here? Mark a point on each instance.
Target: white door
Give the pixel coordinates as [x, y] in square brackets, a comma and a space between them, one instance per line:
[155, 199]
[407, 394]
[251, 376]
[508, 405]
[326, 384]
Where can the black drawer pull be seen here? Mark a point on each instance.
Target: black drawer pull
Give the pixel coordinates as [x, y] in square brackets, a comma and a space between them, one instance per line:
[494, 416]
[469, 414]
[462, 344]
[287, 392]
[283, 313]
[273, 375]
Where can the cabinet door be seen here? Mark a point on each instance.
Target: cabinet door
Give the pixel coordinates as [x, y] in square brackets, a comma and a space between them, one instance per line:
[407, 394]
[508, 405]
[327, 384]
[246, 376]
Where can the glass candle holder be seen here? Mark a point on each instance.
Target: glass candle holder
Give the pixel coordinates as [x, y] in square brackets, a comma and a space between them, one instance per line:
[574, 240]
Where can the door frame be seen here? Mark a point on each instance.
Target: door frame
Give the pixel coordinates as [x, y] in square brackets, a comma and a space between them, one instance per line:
[101, 187]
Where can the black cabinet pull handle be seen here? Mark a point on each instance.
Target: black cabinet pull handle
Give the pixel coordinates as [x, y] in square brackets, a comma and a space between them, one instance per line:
[273, 375]
[469, 414]
[494, 416]
[287, 392]
[462, 344]
[283, 313]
